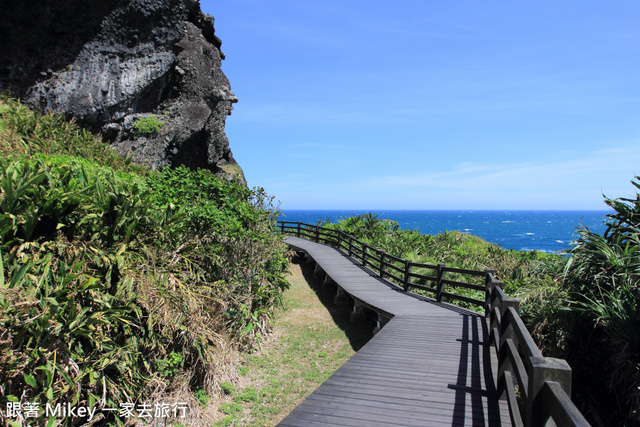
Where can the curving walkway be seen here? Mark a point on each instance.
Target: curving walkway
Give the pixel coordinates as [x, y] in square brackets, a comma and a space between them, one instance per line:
[431, 365]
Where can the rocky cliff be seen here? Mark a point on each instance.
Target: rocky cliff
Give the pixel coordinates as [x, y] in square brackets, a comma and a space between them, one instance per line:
[111, 63]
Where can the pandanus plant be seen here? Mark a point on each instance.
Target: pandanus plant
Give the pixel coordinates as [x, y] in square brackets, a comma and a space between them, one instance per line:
[603, 278]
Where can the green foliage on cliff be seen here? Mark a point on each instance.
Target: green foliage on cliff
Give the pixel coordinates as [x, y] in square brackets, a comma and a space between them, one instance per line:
[119, 284]
[24, 132]
[147, 125]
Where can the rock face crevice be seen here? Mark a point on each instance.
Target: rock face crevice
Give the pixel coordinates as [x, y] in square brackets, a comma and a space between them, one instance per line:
[110, 63]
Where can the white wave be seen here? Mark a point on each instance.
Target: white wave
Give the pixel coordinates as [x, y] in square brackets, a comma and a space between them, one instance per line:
[548, 251]
[530, 234]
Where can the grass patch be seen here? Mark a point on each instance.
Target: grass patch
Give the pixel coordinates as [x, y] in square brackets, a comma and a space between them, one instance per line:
[226, 387]
[202, 397]
[231, 408]
[248, 395]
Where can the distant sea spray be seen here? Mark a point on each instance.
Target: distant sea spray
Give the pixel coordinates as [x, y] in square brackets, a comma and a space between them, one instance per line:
[548, 231]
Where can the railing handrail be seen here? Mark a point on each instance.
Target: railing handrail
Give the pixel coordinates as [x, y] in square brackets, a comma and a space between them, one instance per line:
[544, 383]
[380, 262]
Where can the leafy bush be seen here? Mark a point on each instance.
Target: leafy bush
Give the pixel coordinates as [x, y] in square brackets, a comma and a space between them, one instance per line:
[171, 365]
[248, 258]
[202, 397]
[227, 387]
[147, 125]
[29, 133]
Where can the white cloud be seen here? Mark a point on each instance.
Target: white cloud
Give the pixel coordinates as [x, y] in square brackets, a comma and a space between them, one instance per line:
[567, 183]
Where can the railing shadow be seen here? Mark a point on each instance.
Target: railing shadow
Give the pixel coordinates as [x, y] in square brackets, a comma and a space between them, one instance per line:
[474, 364]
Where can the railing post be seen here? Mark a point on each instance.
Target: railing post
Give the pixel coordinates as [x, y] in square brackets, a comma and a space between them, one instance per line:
[339, 239]
[364, 254]
[282, 225]
[299, 225]
[317, 233]
[382, 264]
[494, 311]
[407, 271]
[440, 276]
[488, 293]
[506, 333]
[542, 369]
[350, 246]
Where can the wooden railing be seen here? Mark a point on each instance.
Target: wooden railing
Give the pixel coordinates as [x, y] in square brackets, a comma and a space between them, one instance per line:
[403, 273]
[537, 388]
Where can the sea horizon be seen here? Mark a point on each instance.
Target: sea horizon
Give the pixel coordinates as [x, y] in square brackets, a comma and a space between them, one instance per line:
[546, 230]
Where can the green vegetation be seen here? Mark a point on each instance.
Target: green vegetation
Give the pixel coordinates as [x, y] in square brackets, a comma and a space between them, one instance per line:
[147, 125]
[202, 397]
[120, 284]
[23, 132]
[226, 387]
[601, 289]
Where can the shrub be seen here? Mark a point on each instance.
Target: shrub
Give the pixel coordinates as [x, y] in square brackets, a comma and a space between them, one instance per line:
[226, 387]
[147, 125]
[30, 133]
[248, 259]
[202, 397]
[602, 281]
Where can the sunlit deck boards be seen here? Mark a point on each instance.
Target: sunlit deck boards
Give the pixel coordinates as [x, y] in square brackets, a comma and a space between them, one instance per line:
[429, 366]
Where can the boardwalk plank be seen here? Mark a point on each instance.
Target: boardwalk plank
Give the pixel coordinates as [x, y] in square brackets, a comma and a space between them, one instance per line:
[389, 402]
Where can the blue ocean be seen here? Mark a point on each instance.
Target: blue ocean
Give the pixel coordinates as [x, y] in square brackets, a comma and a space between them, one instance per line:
[548, 231]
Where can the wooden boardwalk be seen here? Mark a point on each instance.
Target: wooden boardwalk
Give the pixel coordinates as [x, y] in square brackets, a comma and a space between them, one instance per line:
[431, 365]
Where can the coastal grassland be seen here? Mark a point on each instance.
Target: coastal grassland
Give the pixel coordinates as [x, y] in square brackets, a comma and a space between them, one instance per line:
[120, 284]
[581, 306]
[312, 337]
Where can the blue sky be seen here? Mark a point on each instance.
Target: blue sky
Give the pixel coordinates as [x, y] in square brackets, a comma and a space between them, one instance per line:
[429, 104]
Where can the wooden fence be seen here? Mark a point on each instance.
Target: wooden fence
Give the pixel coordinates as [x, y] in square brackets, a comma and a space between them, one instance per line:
[537, 388]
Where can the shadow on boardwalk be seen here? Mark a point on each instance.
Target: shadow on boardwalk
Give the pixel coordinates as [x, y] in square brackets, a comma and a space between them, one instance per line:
[475, 379]
[358, 333]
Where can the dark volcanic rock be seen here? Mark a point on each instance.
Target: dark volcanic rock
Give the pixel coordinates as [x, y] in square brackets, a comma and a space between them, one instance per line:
[112, 62]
